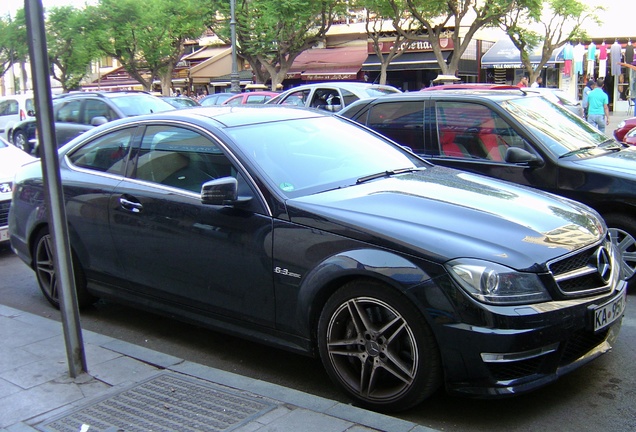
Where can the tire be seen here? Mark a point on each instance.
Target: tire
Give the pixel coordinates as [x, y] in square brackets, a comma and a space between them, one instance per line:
[20, 141]
[45, 272]
[376, 346]
[623, 234]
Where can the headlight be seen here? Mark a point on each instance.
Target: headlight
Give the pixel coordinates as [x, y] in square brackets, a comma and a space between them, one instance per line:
[496, 284]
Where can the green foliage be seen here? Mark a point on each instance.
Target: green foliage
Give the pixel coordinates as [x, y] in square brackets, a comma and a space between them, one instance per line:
[272, 33]
[147, 37]
[69, 47]
[13, 41]
[548, 25]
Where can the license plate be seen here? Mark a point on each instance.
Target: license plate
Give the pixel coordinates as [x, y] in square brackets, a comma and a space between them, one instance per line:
[608, 313]
[4, 234]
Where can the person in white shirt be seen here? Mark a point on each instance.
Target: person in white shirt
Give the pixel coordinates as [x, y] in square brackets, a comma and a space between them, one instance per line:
[537, 82]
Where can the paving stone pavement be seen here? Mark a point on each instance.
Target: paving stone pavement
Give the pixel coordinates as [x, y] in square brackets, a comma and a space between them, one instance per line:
[131, 388]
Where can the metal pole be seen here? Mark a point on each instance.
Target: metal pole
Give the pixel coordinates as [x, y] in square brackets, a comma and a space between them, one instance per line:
[54, 194]
[234, 76]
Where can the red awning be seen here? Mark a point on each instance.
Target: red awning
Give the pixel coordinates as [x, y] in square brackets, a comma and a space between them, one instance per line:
[342, 63]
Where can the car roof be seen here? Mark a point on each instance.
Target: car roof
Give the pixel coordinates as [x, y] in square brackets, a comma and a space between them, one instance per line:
[228, 116]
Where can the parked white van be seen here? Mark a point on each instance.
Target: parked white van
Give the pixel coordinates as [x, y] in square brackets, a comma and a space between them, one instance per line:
[14, 108]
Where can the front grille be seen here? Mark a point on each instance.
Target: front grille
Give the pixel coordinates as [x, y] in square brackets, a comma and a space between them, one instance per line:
[582, 273]
[4, 212]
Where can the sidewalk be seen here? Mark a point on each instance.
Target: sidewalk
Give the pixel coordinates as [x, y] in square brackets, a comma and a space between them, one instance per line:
[131, 388]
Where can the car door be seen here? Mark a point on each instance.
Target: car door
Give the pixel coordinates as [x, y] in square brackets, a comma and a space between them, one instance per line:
[94, 170]
[177, 250]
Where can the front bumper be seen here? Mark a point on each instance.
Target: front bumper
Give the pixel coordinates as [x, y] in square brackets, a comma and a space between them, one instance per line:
[528, 348]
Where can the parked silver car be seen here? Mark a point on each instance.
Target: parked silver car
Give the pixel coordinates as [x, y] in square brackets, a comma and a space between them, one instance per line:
[331, 96]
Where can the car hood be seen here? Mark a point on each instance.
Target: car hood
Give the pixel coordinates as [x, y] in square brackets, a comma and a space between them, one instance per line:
[441, 214]
[623, 162]
[11, 159]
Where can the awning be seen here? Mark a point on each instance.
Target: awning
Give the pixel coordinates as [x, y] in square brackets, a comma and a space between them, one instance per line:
[337, 74]
[322, 64]
[407, 61]
[505, 55]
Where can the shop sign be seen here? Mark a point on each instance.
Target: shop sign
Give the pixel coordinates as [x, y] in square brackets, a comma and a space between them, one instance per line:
[412, 46]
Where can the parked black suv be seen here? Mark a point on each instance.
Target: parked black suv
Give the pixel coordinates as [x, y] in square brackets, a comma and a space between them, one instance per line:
[518, 136]
[75, 113]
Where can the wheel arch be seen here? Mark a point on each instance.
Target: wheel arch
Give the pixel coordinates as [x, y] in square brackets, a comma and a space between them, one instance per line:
[395, 271]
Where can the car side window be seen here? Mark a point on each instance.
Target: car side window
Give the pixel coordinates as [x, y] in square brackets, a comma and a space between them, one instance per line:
[403, 122]
[106, 153]
[348, 97]
[473, 131]
[97, 108]
[298, 98]
[68, 112]
[180, 158]
[324, 98]
[8, 107]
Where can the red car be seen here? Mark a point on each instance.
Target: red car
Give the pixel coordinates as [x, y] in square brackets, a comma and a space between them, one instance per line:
[630, 137]
[624, 127]
[255, 97]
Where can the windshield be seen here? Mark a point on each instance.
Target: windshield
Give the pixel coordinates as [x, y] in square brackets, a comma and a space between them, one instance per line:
[133, 105]
[560, 131]
[311, 155]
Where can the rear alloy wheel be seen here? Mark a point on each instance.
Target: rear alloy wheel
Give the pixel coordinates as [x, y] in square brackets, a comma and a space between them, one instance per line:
[377, 346]
[46, 276]
[622, 232]
[20, 141]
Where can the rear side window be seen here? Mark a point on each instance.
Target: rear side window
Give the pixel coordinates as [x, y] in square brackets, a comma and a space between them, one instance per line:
[106, 153]
[68, 112]
[9, 107]
[403, 122]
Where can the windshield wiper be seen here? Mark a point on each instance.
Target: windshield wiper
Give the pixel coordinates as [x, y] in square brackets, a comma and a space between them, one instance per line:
[387, 173]
[611, 144]
[579, 150]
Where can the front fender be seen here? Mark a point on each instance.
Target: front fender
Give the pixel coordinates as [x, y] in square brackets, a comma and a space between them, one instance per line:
[336, 270]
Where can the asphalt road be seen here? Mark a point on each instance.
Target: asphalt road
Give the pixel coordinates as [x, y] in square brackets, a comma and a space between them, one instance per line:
[600, 396]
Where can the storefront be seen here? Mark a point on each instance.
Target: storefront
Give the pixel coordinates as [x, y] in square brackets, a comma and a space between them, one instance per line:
[502, 64]
[417, 67]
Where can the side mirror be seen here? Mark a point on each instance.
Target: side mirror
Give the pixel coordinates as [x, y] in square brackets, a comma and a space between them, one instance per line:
[520, 156]
[222, 191]
[31, 113]
[98, 121]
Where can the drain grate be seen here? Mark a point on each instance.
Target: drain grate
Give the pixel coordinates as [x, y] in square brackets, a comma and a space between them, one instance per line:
[166, 402]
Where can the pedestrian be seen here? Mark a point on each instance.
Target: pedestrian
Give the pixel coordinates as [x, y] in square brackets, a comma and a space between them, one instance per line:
[537, 83]
[598, 109]
[586, 91]
[523, 82]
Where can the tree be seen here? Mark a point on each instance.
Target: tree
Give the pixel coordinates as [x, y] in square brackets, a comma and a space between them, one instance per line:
[14, 48]
[148, 37]
[457, 19]
[272, 33]
[70, 48]
[381, 21]
[549, 25]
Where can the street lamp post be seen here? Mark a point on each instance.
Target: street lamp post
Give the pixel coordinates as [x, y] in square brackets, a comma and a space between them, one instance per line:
[234, 76]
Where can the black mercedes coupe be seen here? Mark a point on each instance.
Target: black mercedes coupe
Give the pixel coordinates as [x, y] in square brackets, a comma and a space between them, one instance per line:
[314, 234]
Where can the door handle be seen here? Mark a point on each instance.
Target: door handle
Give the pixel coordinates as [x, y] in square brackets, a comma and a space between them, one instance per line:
[131, 206]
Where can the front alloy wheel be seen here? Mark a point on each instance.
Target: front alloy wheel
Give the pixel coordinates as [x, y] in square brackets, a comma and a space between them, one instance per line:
[622, 231]
[377, 346]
